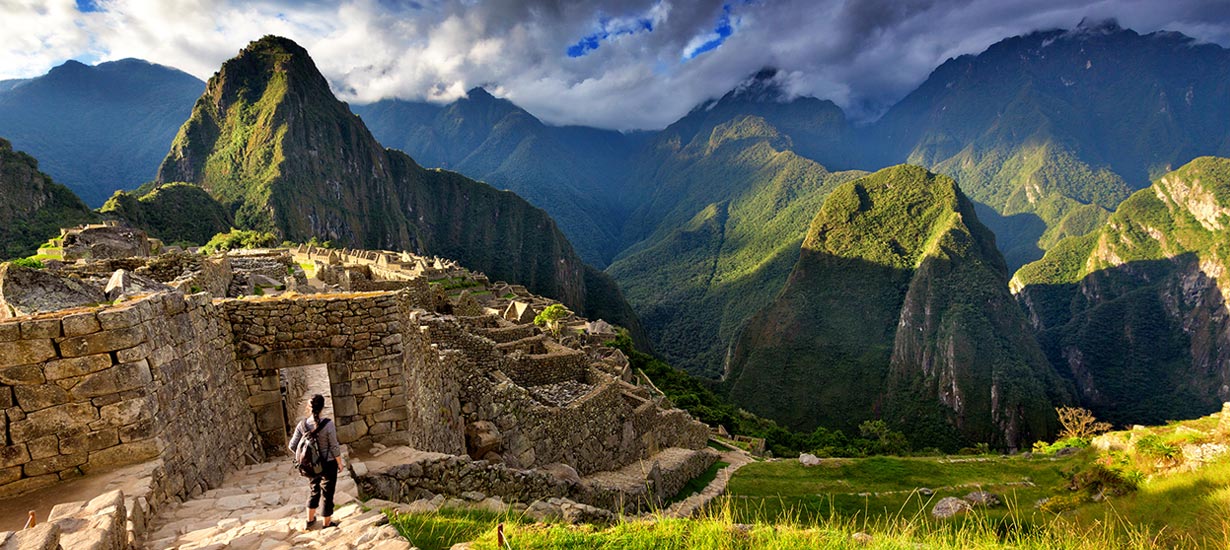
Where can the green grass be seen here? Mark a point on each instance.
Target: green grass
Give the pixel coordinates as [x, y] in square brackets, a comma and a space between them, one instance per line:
[442, 529]
[698, 483]
[883, 487]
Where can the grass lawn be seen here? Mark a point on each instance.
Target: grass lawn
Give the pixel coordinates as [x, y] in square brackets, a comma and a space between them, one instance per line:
[886, 487]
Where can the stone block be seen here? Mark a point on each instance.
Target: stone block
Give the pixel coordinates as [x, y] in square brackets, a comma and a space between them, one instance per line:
[9, 475]
[351, 431]
[93, 385]
[23, 352]
[52, 464]
[28, 484]
[137, 431]
[345, 406]
[43, 447]
[10, 331]
[44, 536]
[35, 398]
[269, 418]
[34, 329]
[125, 412]
[13, 455]
[370, 405]
[80, 324]
[53, 420]
[135, 353]
[122, 455]
[76, 366]
[90, 441]
[102, 342]
[119, 317]
[130, 376]
[391, 415]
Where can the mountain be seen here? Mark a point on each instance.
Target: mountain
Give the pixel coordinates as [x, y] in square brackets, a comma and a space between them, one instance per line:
[721, 230]
[175, 212]
[1051, 130]
[98, 128]
[33, 207]
[271, 143]
[898, 309]
[1136, 313]
[574, 173]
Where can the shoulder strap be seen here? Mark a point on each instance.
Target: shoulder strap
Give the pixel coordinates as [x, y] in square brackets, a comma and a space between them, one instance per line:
[319, 426]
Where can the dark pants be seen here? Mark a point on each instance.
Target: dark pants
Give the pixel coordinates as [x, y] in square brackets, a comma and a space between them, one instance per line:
[324, 483]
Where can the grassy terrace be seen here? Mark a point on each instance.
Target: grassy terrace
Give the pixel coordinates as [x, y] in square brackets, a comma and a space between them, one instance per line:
[886, 487]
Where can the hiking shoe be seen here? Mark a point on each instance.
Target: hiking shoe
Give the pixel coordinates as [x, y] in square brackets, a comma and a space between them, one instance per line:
[308, 525]
[333, 524]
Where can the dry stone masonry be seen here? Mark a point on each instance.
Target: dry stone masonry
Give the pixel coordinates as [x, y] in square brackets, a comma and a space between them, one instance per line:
[196, 377]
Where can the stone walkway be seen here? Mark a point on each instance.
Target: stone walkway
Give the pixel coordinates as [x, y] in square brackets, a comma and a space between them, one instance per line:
[262, 507]
[692, 505]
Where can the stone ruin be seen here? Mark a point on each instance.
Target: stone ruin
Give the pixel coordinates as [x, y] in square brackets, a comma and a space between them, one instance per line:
[437, 389]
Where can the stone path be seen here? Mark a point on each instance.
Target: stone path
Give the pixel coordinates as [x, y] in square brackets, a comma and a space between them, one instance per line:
[692, 505]
[263, 507]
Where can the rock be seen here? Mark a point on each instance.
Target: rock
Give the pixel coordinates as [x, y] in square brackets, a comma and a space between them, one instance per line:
[492, 504]
[562, 472]
[577, 513]
[1067, 451]
[44, 536]
[924, 491]
[125, 284]
[543, 511]
[107, 241]
[808, 459]
[482, 437]
[862, 539]
[983, 499]
[473, 496]
[26, 291]
[948, 507]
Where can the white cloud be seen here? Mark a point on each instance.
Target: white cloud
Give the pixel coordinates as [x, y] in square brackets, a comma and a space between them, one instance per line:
[863, 54]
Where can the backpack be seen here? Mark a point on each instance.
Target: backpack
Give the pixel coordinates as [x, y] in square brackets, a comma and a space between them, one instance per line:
[307, 455]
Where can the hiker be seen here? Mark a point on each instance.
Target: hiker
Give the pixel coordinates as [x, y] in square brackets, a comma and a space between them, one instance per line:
[330, 456]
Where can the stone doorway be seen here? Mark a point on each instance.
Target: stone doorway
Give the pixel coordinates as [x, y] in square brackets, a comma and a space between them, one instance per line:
[298, 385]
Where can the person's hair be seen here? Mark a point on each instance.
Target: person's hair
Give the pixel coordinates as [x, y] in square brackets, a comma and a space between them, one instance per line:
[316, 405]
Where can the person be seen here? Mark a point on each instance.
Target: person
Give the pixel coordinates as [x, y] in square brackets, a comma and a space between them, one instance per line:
[322, 486]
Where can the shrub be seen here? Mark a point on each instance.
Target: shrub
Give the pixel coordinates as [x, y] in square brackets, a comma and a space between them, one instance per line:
[239, 238]
[1153, 446]
[28, 262]
[1078, 423]
[550, 317]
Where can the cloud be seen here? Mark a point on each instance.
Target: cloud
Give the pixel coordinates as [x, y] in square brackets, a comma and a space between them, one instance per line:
[612, 63]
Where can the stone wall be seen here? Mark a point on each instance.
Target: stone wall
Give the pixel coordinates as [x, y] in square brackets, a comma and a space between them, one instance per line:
[612, 425]
[359, 337]
[95, 388]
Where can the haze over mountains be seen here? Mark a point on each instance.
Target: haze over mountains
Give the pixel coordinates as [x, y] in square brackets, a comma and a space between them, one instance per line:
[723, 232]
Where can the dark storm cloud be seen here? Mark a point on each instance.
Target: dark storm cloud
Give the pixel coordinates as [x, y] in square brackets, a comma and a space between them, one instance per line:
[634, 63]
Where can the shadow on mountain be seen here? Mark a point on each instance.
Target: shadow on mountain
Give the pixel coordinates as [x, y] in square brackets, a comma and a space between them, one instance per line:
[1143, 343]
[1017, 235]
[939, 351]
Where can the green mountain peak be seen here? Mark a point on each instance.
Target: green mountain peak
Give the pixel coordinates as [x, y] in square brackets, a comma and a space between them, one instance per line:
[897, 309]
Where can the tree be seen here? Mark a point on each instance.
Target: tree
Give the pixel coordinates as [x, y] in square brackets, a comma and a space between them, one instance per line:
[550, 317]
[1079, 423]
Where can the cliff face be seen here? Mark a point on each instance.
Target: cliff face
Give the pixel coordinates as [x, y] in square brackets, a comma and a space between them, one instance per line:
[1136, 313]
[32, 207]
[898, 309]
[270, 142]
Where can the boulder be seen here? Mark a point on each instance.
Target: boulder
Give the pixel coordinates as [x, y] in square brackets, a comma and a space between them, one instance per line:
[562, 472]
[948, 507]
[126, 284]
[983, 499]
[808, 459]
[26, 291]
[482, 437]
[98, 242]
[577, 513]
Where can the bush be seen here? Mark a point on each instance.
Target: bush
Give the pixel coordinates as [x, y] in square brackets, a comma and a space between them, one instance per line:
[550, 317]
[1153, 446]
[239, 238]
[1078, 423]
[28, 262]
